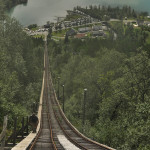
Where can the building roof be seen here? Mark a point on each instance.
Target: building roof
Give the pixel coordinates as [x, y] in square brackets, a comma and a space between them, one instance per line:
[104, 27]
[80, 35]
[96, 28]
[97, 33]
[71, 32]
[85, 29]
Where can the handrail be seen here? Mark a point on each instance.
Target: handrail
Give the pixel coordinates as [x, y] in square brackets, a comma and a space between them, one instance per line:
[3, 133]
[17, 133]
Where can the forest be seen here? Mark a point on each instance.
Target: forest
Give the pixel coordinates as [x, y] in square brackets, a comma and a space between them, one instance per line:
[10, 3]
[116, 74]
[21, 70]
[107, 12]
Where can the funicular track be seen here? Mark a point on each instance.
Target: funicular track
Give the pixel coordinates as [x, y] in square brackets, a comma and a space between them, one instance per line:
[55, 124]
[46, 138]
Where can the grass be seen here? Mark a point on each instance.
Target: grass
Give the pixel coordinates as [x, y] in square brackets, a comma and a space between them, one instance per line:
[56, 38]
[89, 34]
[60, 33]
[146, 19]
[97, 24]
[114, 23]
[137, 28]
[72, 17]
[34, 29]
[107, 33]
[39, 36]
[76, 28]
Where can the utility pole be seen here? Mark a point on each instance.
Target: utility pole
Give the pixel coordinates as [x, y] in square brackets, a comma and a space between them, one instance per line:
[63, 98]
[15, 129]
[58, 87]
[84, 104]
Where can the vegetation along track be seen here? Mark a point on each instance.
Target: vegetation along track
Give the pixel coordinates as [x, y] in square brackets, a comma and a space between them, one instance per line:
[55, 123]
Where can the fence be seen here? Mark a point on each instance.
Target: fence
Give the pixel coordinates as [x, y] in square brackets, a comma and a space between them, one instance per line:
[17, 135]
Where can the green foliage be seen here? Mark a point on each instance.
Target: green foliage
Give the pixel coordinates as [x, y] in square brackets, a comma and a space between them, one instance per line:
[32, 26]
[107, 12]
[66, 39]
[125, 112]
[72, 17]
[129, 39]
[116, 74]
[21, 63]
[10, 3]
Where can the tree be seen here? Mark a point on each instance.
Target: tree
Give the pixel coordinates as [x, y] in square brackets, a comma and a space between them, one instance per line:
[66, 39]
[21, 69]
[126, 110]
[49, 33]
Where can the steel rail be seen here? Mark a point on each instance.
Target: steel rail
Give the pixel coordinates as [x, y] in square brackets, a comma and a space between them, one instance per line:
[49, 119]
[56, 116]
[72, 127]
[69, 137]
[47, 110]
[36, 138]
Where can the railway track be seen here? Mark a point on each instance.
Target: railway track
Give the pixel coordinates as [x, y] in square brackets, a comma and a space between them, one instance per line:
[46, 139]
[69, 131]
[55, 128]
